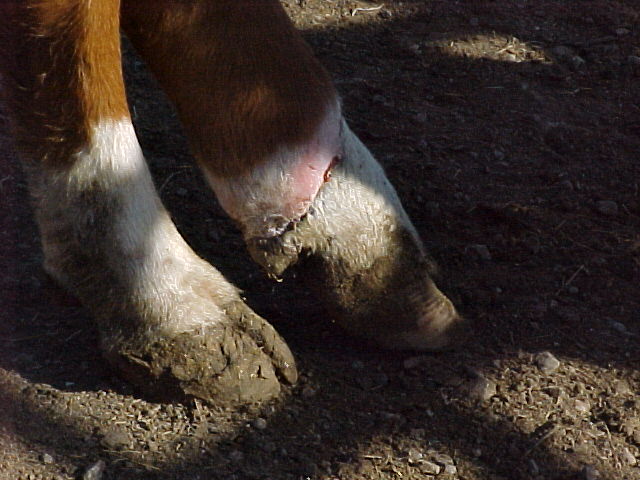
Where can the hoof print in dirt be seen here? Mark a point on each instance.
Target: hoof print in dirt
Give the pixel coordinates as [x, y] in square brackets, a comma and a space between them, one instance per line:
[240, 362]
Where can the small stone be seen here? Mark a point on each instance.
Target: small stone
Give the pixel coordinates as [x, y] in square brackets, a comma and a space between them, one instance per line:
[433, 209]
[633, 59]
[581, 406]
[357, 365]
[562, 51]
[547, 362]
[414, 456]
[621, 387]
[373, 381]
[589, 472]
[308, 391]
[393, 417]
[236, 456]
[46, 458]
[429, 468]
[450, 470]
[182, 192]
[510, 57]
[415, 48]
[578, 61]
[95, 471]
[628, 457]
[214, 235]
[618, 327]
[443, 459]
[115, 440]
[482, 389]
[567, 184]
[412, 362]
[573, 290]
[476, 452]
[607, 207]
[482, 251]
[259, 423]
[622, 31]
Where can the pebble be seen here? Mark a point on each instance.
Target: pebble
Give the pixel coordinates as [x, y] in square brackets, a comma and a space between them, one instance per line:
[482, 389]
[607, 207]
[414, 456]
[533, 467]
[443, 459]
[633, 59]
[482, 251]
[95, 471]
[622, 31]
[357, 365]
[182, 192]
[628, 457]
[429, 468]
[412, 362]
[259, 423]
[618, 327]
[236, 456]
[450, 470]
[46, 458]
[115, 440]
[547, 362]
[308, 391]
[578, 61]
[589, 472]
[372, 382]
[562, 51]
[581, 406]
[621, 387]
[433, 209]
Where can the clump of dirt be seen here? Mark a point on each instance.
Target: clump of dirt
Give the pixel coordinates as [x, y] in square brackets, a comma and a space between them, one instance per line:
[511, 131]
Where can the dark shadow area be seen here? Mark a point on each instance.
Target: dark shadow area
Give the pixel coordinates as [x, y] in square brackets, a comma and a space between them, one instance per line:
[503, 148]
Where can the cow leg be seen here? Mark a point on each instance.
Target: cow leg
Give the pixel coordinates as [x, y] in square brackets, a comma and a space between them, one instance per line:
[271, 140]
[168, 321]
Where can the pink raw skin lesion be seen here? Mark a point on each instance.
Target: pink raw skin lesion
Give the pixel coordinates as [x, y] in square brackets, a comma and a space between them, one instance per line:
[278, 192]
[307, 177]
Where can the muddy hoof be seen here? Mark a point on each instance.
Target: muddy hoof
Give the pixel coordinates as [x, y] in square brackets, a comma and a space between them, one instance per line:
[241, 361]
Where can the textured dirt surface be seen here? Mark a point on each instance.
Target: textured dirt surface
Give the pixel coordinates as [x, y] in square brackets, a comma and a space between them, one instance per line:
[512, 132]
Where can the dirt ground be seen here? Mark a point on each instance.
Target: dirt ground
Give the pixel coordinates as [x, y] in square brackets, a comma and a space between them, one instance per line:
[511, 130]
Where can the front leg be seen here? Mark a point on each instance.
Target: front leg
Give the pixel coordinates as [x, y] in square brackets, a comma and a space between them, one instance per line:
[168, 321]
[265, 124]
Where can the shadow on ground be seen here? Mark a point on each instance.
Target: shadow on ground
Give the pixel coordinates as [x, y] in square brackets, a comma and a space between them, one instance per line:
[503, 147]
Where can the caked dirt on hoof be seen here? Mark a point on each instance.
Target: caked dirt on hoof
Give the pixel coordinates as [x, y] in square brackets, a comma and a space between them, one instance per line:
[231, 364]
[511, 132]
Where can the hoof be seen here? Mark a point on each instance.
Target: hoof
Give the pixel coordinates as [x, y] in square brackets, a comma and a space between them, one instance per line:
[243, 360]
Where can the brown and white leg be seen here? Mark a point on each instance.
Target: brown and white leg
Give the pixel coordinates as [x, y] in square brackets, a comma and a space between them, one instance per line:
[168, 320]
[271, 140]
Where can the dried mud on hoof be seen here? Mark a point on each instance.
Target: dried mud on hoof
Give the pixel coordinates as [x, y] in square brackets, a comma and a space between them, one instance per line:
[243, 361]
